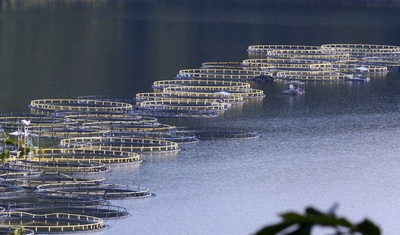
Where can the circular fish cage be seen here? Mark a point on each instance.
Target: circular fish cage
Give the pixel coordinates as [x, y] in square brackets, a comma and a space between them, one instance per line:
[172, 113]
[84, 117]
[313, 75]
[69, 198]
[161, 84]
[117, 126]
[208, 106]
[173, 136]
[10, 174]
[130, 144]
[33, 199]
[222, 65]
[77, 169]
[67, 130]
[85, 155]
[99, 211]
[88, 190]
[279, 64]
[53, 178]
[7, 191]
[80, 105]
[198, 97]
[124, 99]
[30, 199]
[51, 223]
[220, 74]
[364, 50]
[245, 93]
[202, 98]
[265, 48]
[13, 121]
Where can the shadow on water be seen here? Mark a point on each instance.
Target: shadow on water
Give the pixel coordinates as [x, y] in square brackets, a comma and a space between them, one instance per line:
[335, 143]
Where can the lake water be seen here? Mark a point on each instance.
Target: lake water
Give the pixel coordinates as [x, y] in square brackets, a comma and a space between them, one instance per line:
[336, 144]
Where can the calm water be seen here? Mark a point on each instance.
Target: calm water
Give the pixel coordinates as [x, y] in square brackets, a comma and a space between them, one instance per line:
[336, 144]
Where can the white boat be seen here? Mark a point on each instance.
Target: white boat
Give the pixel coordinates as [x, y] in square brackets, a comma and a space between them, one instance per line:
[294, 88]
[359, 74]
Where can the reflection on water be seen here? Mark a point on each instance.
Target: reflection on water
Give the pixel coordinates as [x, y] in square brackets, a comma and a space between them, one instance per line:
[89, 48]
[160, 157]
[337, 143]
[131, 167]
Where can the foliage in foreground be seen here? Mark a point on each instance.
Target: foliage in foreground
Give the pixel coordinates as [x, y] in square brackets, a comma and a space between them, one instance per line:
[17, 231]
[5, 153]
[298, 224]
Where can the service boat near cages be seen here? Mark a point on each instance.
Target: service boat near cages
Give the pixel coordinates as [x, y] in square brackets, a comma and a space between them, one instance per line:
[359, 74]
[293, 88]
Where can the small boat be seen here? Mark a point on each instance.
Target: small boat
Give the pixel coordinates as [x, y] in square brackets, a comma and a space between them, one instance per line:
[294, 88]
[359, 74]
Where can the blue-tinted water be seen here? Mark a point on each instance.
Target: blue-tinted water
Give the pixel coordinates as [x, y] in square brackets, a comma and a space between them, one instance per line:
[336, 144]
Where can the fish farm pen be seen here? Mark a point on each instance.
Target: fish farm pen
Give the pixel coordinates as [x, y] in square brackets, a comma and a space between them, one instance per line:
[60, 185]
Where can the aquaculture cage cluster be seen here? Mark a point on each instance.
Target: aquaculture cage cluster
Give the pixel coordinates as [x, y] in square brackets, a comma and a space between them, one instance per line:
[63, 188]
[46, 194]
[199, 96]
[328, 62]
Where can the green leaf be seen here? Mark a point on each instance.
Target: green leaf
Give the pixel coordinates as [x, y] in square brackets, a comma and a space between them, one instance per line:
[314, 217]
[22, 152]
[329, 220]
[326, 219]
[313, 212]
[292, 217]
[344, 222]
[9, 141]
[2, 157]
[366, 227]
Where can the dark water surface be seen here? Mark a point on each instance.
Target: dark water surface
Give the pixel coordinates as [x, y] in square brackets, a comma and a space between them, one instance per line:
[338, 143]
